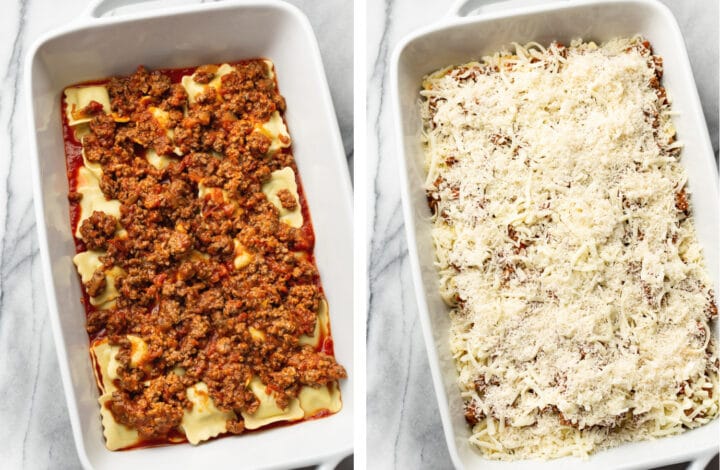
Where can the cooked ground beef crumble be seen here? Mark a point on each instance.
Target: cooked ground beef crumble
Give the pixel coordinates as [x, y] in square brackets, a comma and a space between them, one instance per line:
[181, 292]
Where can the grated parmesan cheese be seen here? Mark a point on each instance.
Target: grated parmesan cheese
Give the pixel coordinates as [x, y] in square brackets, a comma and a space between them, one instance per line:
[565, 246]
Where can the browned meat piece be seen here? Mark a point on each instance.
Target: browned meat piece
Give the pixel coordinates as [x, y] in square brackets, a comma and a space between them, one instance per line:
[103, 129]
[98, 229]
[681, 202]
[711, 311]
[155, 410]
[287, 200]
[473, 414]
[258, 144]
[204, 73]
[316, 368]
[96, 284]
[179, 243]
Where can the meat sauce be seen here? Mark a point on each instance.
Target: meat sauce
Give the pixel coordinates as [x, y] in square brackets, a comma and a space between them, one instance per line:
[293, 367]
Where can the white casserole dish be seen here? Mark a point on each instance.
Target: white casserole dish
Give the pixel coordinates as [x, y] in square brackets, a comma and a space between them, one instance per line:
[456, 40]
[96, 47]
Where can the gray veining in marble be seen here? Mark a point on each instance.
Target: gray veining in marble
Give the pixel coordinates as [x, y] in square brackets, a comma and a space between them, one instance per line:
[34, 426]
[403, 427]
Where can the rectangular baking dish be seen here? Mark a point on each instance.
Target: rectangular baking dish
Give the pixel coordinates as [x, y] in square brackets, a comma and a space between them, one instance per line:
[457, 40]
[96, 47]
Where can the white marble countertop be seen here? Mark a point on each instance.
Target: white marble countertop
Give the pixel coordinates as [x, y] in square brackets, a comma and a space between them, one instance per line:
[35, 430]
[404, 429]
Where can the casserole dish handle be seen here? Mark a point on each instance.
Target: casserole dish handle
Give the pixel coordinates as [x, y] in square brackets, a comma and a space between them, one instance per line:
[331, 463]
[462, 8]
[99, 8]
[701, 462]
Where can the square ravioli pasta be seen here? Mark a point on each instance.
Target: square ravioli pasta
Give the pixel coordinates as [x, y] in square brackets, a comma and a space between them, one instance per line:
[205, 309]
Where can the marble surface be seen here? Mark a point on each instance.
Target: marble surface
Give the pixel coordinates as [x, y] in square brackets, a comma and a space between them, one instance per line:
[35, 430]
[403, 428]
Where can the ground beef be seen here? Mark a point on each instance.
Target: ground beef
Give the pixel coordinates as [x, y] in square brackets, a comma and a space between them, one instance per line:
[150, 134]
[103, 129]
[204, 74]
[155, 410]
[236, 426]
[179, 244]
[258, 144]
[98, 229]
[681, 202]
[473, 414]
[92, 108]
[179, 289]
[315, 367]
[96, 284]
[287, 200]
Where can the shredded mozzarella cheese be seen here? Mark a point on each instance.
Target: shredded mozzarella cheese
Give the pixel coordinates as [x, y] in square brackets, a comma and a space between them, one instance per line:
[580, 302]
